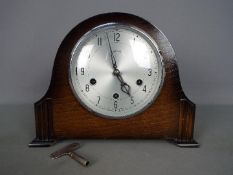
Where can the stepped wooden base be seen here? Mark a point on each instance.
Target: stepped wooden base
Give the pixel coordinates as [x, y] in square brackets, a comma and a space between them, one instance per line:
[41, 143]
[186, 143]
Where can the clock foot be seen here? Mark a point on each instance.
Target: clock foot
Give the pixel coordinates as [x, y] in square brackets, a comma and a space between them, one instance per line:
[186, 143]
[41, 143]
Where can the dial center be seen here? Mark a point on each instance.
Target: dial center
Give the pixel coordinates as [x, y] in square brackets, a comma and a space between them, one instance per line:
[116, 72]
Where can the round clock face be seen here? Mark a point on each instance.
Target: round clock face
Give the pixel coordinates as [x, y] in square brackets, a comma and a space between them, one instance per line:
[116, 71]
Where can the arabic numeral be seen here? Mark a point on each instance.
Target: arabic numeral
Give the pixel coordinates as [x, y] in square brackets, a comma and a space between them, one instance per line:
[98, 101]
[149, 72]
[116, 37]
[131, 100]
[99, 41]
[115, 105]
[87, 88]
[82, 71]
[144, 88]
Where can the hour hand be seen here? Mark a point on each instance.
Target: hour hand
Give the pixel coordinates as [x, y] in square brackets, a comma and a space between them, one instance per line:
[124, 86]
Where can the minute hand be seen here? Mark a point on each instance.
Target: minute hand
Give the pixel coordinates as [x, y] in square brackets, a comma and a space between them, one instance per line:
[124, 86]
[112, 56]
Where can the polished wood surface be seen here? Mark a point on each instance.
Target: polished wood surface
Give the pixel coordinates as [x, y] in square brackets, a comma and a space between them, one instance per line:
[60, 116]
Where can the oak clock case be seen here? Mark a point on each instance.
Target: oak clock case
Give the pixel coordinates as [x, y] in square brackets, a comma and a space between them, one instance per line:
[115, 76]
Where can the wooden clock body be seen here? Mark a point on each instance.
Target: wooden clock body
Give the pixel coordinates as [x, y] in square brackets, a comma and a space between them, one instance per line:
[60, 116]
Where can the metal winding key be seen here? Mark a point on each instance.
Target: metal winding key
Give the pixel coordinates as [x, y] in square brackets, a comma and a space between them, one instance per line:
[69, 150]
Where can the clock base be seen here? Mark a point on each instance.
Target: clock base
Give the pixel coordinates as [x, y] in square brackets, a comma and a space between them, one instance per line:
[41, 143]
[186, 143]
[179, 143]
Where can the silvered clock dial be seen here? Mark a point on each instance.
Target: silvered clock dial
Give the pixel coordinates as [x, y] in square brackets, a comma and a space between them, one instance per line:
[116, 70]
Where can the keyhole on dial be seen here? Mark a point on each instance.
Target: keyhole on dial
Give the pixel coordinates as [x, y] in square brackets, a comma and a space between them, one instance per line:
[139, 82]
[116, 95]
[93, 81]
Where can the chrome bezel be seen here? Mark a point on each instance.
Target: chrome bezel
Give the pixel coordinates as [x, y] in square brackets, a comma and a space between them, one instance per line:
[146, 37]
